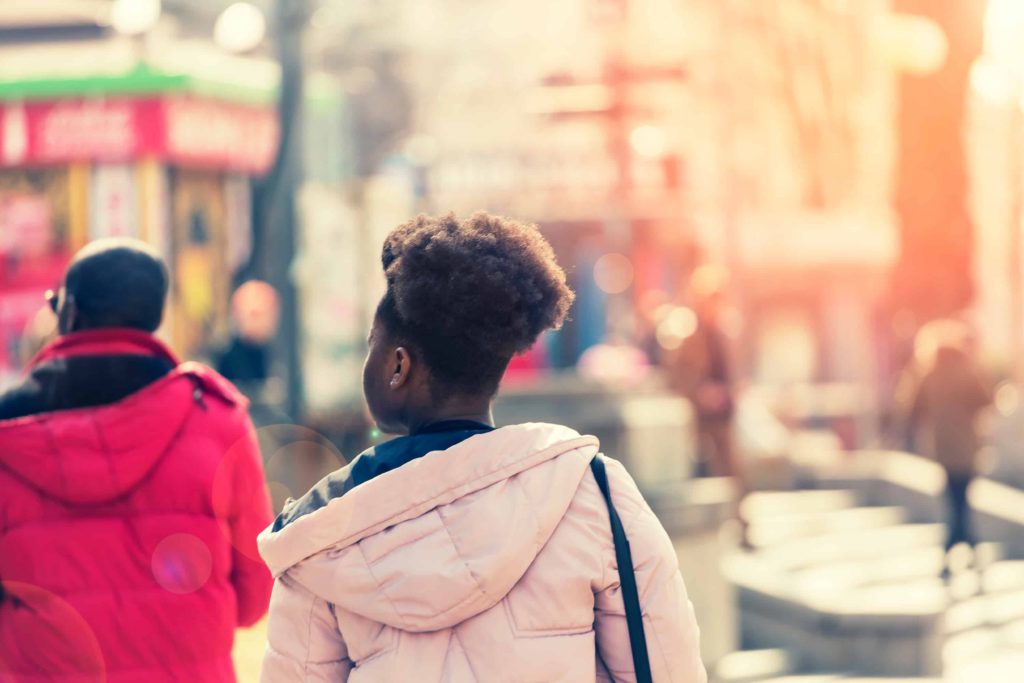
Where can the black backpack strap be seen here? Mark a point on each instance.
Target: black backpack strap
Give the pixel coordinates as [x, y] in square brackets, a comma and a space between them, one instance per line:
[627, 578]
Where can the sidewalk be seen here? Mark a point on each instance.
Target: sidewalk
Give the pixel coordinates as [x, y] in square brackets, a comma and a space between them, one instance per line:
[249, 652]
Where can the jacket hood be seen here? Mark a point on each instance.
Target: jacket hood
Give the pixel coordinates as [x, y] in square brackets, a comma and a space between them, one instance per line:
[442, 538]
[95, 455]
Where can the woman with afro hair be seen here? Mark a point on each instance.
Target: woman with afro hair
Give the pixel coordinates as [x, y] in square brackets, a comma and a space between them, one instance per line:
[459, 551]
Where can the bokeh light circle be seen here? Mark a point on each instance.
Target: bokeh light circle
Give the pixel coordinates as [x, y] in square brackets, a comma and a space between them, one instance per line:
[648, 141]
[134, 17]
[241, 27]
[613, 273]
[182, 563]
[43, 636]
[676, 325]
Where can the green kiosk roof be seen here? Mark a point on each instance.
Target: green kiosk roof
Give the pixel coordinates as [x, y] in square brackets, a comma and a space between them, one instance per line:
[142, 80]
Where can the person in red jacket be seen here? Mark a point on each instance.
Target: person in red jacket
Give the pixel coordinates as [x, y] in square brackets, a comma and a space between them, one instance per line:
[131, 494]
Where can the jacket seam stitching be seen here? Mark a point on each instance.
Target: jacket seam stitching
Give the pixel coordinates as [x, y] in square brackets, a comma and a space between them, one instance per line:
[516, 467]
[465, 653]
[661, 647]
[55, 452]
[375, 656]
[120, 498]
[135, 513]
[309, 634]
[469, 598]
[101, 437]
[538, 545]
[369, 569]
[448, 652]
[405, 542]
[455, 546]
[493, 477]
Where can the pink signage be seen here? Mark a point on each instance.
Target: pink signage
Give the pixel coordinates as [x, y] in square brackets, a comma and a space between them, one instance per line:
[182, 130]
[211, 133]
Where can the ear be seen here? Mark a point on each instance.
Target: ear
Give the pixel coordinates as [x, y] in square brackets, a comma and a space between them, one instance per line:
[401, 367]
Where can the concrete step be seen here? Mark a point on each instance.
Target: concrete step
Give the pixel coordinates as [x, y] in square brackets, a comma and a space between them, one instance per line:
[994, 610]
[768, 530]
[1003, 575]
[1004, 608]
[921, 564]
[750, 666]
[999, 638]
[886, 600]
[995, 597]
[839, 678]
[900, 584]
[998, 666]
[1013, 635]
[849, 546]
[809, 678]
[848, 588]
[970, 646]
[861, 605]
[766, 503]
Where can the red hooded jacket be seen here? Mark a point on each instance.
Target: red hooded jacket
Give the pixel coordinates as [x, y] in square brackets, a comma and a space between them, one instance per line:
[128, 530]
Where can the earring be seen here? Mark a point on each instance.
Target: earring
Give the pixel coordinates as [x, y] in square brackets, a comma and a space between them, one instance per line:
[394, 381]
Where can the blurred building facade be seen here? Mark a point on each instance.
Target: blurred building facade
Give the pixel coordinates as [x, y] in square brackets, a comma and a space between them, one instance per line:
[994, 153]
[103, 134]
[646, 137]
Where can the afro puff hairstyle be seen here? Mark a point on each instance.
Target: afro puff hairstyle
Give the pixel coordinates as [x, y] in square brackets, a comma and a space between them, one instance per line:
[469, 295]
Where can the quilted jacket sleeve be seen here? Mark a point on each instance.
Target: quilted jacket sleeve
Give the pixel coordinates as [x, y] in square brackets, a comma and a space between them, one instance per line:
[249, 515]
[303, 641]
[673, 638]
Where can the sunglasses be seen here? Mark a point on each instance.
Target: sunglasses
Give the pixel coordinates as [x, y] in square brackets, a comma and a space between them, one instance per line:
[52, 297]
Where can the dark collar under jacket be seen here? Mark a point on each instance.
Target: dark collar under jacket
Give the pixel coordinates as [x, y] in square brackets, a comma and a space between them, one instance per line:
[86, 370]
[377, 460]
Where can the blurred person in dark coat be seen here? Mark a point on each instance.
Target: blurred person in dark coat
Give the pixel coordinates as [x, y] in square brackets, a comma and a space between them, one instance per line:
[700, 371]
[247, 361]
[255, 310]
[944, 411]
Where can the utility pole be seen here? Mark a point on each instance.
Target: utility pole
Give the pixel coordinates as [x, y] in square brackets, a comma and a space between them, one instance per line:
[275, 215]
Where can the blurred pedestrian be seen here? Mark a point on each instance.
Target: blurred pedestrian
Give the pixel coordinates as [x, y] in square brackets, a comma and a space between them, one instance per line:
[944, 412]
[255, 311]
[700, 370]
[132, 494]
[462, 552]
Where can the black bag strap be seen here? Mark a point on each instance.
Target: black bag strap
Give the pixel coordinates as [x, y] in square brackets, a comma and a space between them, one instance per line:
[627, 579]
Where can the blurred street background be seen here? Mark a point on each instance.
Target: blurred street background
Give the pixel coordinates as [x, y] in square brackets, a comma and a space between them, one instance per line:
[794, 228]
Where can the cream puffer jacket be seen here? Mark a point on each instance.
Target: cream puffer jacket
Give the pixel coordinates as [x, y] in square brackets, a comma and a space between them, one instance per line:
[491, 560]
